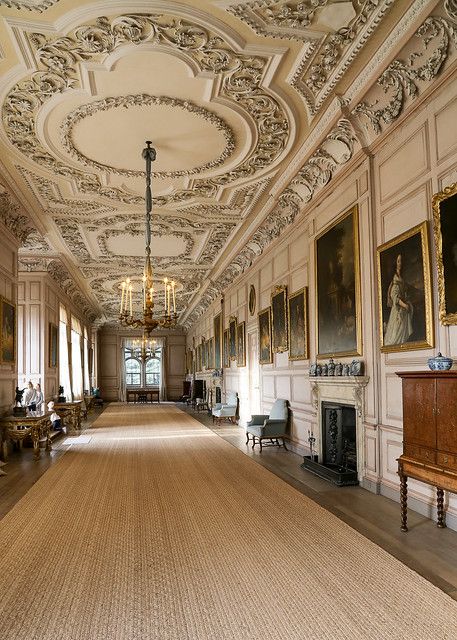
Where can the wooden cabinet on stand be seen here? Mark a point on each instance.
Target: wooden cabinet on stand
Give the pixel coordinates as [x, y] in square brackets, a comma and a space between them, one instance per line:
[429, 435]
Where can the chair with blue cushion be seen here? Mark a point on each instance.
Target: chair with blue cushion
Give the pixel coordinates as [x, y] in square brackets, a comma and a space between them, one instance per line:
[228, 410]
[271, 427]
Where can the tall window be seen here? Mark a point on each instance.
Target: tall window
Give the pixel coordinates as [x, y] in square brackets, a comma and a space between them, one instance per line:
[140, 372]
[86, 361]
[132, 372]
[64, 367]
[76, 360]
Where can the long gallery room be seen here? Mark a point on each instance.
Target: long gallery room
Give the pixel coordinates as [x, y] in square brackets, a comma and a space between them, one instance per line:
[228, 320]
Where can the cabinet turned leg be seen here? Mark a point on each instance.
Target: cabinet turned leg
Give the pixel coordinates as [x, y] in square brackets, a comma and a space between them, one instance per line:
[404, 502]
[440, 508]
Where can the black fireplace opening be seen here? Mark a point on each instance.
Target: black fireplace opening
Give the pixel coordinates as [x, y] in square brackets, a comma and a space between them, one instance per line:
[339, 446]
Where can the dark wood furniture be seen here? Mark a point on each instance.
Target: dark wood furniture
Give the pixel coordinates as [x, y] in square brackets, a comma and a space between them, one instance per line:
[429, 435]
[143, 395]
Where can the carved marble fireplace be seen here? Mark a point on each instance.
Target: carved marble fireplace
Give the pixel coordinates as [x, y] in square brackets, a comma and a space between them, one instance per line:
[345, 392]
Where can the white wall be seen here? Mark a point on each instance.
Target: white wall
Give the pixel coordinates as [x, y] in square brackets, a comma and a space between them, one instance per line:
[392, 184]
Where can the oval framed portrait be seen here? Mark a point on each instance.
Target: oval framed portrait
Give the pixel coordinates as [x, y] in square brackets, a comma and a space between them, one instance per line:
[252, 300]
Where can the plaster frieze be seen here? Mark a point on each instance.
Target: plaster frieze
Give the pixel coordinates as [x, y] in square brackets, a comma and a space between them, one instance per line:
[404, 79]
[144, 100]
[35, 243]
[35, 263]
[58, 58]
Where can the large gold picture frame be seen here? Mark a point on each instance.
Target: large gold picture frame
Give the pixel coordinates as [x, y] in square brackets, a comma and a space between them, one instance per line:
[241, 344]
[444, 206]
[232, 337]
[298, 325]
[8, 332]
[405, 292]
[217, 326]
[265, 351]
[279, 319]
[337, 284]
[226, 350]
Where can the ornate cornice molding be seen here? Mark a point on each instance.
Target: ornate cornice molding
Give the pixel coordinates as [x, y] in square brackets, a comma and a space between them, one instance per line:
[57, 60]
[144, 100]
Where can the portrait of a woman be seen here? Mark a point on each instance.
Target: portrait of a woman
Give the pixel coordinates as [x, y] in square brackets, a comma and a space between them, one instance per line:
[400, 324]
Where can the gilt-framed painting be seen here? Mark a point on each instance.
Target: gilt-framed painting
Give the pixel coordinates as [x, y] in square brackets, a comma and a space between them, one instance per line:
[226, 350]
[265, 352]
[241, 344]
[298, 325]
[338, 304]
[279, 339]
[217, 325]
[7, 331]
[204, 354]
[54, 347]
[210, 352]
[232, 337]
[445, 232]
[199, 358]
[405, 293]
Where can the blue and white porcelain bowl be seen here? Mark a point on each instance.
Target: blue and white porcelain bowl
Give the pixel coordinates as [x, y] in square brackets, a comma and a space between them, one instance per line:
[440, 363]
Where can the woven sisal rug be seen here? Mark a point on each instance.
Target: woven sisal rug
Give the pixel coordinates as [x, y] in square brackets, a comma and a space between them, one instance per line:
[158, 529]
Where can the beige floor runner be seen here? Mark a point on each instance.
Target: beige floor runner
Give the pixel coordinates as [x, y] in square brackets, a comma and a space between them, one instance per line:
[158, 529]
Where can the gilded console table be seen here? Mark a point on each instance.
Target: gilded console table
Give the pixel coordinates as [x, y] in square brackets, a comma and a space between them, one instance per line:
[35, 426]
[71, 414]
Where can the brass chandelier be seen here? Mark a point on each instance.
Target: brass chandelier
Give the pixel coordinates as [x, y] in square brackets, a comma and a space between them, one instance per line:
[148, 322]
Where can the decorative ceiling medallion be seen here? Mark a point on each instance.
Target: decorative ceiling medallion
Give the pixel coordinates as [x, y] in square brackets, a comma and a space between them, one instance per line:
[144, 100]
[138, 230]
[58, 60]
[31, 5]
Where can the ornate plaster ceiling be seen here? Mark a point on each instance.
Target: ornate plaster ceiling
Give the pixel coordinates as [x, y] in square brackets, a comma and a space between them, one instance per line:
[235, 96]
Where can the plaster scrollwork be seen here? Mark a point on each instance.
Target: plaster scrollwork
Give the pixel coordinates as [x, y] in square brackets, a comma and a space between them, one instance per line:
[144, 100]
[39, 5]
[13, 218]
[403, 78]
[59, 273]
[33, 264]
[35, 243]
[58, 59]
[280, 18]
[359, 400]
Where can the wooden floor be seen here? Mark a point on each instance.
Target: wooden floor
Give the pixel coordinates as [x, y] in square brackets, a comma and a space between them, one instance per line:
[429, 551]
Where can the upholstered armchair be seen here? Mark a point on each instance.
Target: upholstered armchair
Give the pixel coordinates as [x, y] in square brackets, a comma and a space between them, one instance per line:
[271, 427]
[228, 410]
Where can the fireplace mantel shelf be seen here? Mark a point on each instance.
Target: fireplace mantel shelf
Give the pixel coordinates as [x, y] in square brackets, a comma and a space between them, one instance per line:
[342, 388]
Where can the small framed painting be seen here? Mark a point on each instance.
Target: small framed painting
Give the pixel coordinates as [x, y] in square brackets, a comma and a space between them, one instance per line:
[298, 325]
[279, 319]
[226, 350]
[7, 332]
[265, 352]
[54, 347]
[232, 336]
[241, 344]
[210, 360]
[405, 294]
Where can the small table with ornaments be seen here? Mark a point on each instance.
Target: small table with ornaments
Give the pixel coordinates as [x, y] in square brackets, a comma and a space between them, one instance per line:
[35, 424]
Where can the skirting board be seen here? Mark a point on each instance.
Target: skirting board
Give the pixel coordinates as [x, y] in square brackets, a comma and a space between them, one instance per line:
[425, 509]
